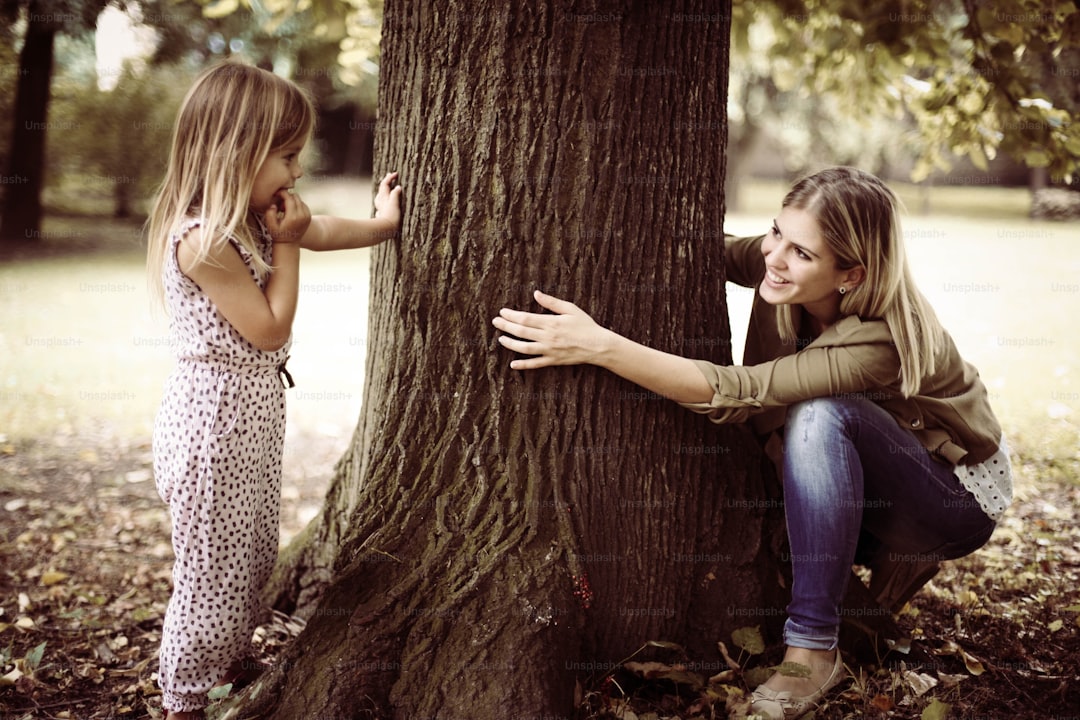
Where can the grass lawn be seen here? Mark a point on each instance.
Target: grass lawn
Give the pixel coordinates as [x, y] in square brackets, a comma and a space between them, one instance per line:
[84, 350]
[84, 353]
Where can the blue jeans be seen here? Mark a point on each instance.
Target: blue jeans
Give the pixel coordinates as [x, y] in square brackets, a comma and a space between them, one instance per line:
[857, 484]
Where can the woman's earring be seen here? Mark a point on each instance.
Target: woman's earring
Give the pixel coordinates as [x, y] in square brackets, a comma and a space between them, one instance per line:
[843, 289]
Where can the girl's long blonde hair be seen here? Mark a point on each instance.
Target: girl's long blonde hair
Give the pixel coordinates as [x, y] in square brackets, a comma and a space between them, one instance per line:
[859, 219]
[231, 119]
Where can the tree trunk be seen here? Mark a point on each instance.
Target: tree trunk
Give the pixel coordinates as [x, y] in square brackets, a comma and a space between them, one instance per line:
[24, 180]
[497, 536]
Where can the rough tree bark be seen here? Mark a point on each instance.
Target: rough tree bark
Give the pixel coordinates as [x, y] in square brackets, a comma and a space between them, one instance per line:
[493, 536]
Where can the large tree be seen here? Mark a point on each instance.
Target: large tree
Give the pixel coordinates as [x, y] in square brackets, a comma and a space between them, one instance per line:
[490, 537]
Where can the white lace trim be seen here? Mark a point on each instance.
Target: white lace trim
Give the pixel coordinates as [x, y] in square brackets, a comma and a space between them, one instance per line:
[990, 481]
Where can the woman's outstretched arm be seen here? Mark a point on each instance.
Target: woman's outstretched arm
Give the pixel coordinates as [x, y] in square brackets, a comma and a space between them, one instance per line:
[571, 337]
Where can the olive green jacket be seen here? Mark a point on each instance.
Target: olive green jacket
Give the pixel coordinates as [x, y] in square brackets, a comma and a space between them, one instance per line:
[855, 358]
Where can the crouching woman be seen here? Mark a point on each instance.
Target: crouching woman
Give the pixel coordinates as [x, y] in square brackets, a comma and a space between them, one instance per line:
[890, 454]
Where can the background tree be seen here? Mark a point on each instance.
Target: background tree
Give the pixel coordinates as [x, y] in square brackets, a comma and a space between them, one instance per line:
[117, 120]
[24, 179]
[331, 47]
[494, 536]
[112, 125]
[9, 73]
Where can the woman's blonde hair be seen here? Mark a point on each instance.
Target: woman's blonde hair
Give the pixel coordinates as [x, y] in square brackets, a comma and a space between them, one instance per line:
[231, 119]
[858, 216]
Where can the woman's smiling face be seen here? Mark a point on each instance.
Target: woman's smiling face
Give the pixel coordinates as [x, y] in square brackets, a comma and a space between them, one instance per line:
[800, 268]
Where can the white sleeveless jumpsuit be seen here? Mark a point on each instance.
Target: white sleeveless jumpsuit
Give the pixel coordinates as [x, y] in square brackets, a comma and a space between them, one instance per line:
[218, 442]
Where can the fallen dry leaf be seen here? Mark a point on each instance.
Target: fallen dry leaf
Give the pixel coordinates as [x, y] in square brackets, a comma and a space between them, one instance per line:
[973, 664]
[11, 678]
[883, 703]
[919, 683]
[53, 577]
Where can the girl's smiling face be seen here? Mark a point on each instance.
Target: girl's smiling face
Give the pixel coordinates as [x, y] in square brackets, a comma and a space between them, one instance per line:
[278, 173]
[800, 268]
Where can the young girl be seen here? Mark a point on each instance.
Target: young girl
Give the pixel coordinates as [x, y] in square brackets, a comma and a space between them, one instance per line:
[224, 250]
[889, 451]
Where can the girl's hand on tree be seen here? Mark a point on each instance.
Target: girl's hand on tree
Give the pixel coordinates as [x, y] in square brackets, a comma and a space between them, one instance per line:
[288, 218]
[388, 199]
[568, 337]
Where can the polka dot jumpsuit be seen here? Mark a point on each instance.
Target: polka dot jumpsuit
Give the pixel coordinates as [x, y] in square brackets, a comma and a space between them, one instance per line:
[217, 462]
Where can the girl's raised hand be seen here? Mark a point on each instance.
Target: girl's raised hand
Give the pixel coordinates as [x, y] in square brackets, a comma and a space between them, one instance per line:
[388, 199]
[567, 337]
[288, 218]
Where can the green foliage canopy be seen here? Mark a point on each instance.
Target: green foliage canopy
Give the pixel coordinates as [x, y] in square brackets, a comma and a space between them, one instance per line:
[976, 78]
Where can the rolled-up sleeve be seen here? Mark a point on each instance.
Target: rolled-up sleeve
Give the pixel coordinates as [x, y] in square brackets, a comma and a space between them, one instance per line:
[869, 371]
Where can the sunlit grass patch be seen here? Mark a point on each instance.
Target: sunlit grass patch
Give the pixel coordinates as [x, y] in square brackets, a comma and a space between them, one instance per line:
[84, 350]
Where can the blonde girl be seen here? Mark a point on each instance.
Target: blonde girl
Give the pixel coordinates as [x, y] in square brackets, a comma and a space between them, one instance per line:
[225, 235]
[890, 454]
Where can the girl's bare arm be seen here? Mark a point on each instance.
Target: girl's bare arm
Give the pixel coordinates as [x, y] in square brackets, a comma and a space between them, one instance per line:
[335, 233]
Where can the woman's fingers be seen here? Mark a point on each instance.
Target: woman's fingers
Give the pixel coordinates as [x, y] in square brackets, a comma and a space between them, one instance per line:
[523, 339]
[525, 347]
[519, 331]
[531, 363]
[554, 304]
[549, 302]
[538, 359]
[520, 319]
[517, 344]
[561, 337]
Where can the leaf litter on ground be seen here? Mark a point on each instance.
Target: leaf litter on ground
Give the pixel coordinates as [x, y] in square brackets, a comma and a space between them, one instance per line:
[1001, 626]
[85, 561]
[85, 576]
